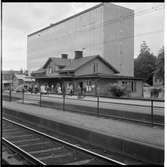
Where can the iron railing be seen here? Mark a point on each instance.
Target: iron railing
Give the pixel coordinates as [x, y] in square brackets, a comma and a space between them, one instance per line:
[150, 112]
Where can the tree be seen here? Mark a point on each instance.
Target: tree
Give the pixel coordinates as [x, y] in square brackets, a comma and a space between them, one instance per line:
[159, 72]
[144, 64]
[117, 90]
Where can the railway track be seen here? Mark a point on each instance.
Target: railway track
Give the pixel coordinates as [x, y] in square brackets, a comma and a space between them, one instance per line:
[44, 149]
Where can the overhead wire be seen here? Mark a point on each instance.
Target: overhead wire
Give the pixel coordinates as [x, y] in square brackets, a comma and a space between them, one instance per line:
[112, 21]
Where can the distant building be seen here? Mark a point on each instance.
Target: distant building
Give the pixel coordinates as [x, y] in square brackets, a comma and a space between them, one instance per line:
[22, 79]
[7, 78]
[106, 30]
[12, 79]
[90, 72]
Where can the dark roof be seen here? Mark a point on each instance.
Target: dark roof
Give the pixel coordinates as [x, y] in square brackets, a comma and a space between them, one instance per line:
[58, 61]
[77, 63]
[68, 18]
[72, 65]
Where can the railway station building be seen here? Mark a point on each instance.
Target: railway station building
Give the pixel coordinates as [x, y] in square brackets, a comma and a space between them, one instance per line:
[91, 49]
[93, 73]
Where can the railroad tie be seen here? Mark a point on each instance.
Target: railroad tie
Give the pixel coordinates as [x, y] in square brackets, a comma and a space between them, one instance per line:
[26, 140]
[56, 156]
[46, 150]
[30, 144]
[82, 162]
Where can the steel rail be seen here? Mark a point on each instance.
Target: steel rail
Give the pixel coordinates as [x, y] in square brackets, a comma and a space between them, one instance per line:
[24, 152]
[67, 143]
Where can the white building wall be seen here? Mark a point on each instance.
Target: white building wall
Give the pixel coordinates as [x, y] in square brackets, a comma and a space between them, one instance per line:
[84, 32]
[119, 38]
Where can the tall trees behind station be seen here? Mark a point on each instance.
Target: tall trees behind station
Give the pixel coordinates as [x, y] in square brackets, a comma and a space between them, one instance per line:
[159, 72]
[146, 64]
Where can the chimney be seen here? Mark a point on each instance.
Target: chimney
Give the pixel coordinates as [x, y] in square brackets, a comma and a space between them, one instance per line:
[78, 54]
[64, 56]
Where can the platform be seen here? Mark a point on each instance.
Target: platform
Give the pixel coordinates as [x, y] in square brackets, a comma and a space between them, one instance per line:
[123, 136]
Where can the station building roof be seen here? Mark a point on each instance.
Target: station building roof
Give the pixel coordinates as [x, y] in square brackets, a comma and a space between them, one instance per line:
[71, 65]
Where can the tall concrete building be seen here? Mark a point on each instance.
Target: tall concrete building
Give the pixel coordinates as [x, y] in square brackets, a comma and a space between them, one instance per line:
[105, 29]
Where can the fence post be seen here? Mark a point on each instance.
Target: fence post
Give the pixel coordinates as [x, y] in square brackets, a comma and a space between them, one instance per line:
[152, 114]
[97, 95]
[63, 101]
[23, 95]
[40, 102]
[10, 95]
[64, 93]
[98, 108]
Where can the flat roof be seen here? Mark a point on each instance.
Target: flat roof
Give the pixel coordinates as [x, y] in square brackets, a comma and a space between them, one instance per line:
[108, 76]
[68, 18]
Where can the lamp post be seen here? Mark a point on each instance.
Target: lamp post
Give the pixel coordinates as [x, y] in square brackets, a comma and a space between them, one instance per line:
[11, 87]
[97, 95]
[64, 94]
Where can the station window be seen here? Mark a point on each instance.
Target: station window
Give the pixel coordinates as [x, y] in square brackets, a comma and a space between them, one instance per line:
[133, 86]
[124, 82]
[95, 67]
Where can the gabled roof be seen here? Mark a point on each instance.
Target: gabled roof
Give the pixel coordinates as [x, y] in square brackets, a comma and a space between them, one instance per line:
[58, 61]
[77, 63]
[72, 65]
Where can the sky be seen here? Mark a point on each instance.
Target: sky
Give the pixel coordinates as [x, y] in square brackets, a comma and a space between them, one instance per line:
[22, 19]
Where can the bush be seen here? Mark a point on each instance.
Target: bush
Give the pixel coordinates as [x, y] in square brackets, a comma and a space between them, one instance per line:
[155, 92]
[117, 90]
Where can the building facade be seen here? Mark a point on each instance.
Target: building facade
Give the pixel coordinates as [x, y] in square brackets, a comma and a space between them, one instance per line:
[7, 79]
[22, 79]
[106, 30]
[88, 73]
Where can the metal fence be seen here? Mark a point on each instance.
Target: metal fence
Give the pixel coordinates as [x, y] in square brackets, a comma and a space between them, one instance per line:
[148, 111]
